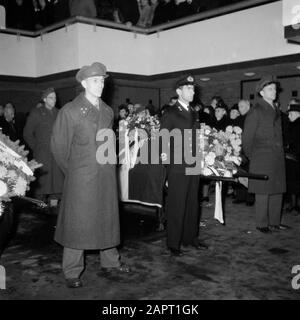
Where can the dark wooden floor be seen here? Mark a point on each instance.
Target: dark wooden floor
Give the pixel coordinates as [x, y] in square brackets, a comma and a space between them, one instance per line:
[241, 263]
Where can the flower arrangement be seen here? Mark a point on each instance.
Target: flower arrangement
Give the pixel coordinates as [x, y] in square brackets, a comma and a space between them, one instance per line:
[142, 120]
[221, 150]
[134, 131]
[16, 172]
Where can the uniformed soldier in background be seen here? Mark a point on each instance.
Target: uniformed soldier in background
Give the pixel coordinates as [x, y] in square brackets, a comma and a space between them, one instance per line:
[37, 134]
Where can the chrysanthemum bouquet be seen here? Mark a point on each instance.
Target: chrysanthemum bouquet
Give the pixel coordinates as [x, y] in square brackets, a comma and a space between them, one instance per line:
[16, 172]
[134, 131]
[142, 120]
[221, 150]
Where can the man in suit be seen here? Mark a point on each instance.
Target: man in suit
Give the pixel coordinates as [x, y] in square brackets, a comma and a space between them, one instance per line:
[182, 210]
[262, 144]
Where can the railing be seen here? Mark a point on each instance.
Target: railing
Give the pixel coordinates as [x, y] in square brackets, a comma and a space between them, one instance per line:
[139, 30]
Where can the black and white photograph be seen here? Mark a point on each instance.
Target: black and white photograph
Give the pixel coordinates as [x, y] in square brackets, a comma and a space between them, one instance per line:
[149, 153]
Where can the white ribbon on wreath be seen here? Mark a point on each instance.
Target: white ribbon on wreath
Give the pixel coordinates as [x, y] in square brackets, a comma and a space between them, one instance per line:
[129, 162]
[218, 214]
[18, 162]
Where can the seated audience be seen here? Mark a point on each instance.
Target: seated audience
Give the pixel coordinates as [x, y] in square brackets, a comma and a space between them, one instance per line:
[85, 8]
[128, 11]
[19, 15]
[61, 10]
[106, 9]
[164, 12]
[184, 8]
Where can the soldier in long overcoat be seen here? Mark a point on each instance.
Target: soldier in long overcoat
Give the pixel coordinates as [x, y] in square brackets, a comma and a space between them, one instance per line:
[37, 134]
[89, 215]
[263, 145]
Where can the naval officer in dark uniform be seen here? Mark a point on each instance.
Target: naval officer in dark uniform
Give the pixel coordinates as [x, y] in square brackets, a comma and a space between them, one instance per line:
[182, 210]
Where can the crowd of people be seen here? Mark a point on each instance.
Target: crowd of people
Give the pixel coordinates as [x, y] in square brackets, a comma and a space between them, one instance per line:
[37, 14]
[64, 142]
[218, 115]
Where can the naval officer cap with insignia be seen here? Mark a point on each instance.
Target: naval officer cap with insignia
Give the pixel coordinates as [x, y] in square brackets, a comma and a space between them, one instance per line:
[186, 81]
[185, 89]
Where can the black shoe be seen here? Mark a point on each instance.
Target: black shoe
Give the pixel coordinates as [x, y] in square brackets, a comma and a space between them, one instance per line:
[73, 283]
[197, 245]
[122, 268]
[264, 229]
[274, 228]
[200, 245]
[175, 252]
[289, 209]
[281, 227]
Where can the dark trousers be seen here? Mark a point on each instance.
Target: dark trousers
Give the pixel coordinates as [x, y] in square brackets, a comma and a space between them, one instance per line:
[182, 209]
[6, 223]
[268, 209]
[73, 261]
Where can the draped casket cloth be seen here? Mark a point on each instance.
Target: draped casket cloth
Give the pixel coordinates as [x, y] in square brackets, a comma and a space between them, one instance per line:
[141, 183]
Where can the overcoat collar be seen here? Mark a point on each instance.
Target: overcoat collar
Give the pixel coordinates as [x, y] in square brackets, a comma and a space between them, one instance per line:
[274, 110]
[86, 107]
[267, 105]
[46, 112]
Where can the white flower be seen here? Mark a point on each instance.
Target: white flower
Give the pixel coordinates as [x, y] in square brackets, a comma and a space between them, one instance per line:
[227, 174]
[238, 141]
[229, 129]
[3, 188]
[237, 130]
[227, 158]
[210, 159]
[236, 160]
[20, 187]
[3, 172]
[12, 174]
[229, 149]
[207, 172]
